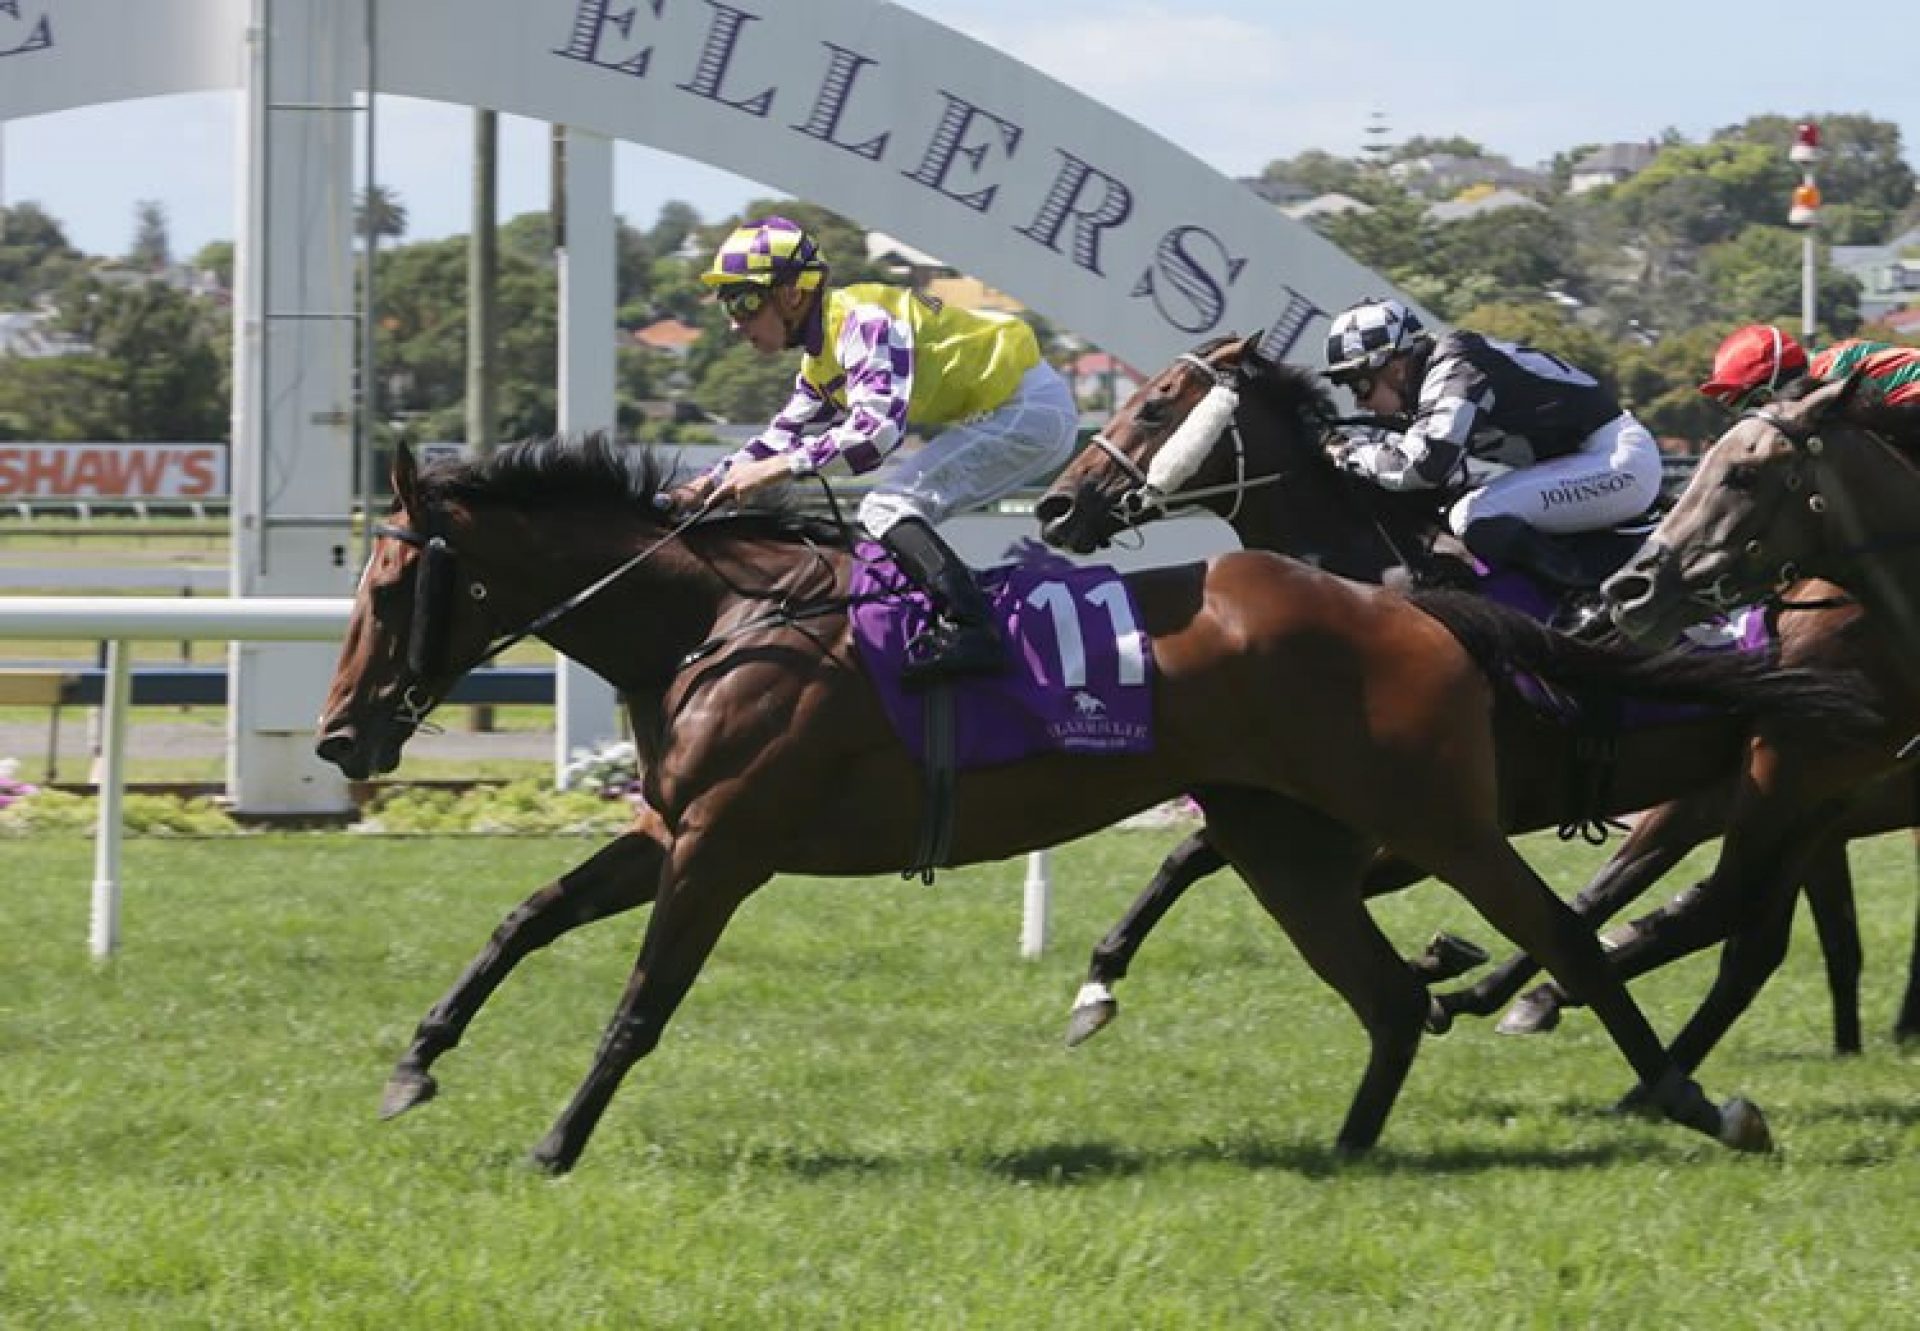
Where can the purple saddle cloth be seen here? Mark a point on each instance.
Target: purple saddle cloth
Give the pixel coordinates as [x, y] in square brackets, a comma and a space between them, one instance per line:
[1079, 675]
[1742, 631]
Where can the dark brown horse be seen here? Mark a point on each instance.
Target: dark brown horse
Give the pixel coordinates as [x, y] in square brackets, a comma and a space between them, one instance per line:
[1221, 430]
[1314, 719]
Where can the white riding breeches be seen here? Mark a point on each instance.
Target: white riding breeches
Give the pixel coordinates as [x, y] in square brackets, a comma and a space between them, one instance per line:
[1613, 477]
[971, 463]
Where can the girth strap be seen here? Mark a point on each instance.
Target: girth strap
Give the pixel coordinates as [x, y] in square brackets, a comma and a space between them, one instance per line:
[936, 815]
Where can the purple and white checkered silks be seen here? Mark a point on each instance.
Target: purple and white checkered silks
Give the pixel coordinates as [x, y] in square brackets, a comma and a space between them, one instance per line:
[1365, 336]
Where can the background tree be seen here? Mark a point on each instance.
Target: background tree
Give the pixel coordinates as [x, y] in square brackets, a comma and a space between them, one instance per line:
[383, 208]
[155, 368]
[34, 255]
[216, 257]
[1756, 276]
[152, 251]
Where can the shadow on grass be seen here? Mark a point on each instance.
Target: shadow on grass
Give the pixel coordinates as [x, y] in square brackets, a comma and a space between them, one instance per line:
[1074, 1163]
[1070, 1163]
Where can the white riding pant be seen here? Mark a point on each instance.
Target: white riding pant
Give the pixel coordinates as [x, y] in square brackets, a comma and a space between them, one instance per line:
[973, 462]
[1613, 477]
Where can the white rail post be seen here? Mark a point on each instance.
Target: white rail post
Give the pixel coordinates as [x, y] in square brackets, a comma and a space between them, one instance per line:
[1033, 914]
[103, 933]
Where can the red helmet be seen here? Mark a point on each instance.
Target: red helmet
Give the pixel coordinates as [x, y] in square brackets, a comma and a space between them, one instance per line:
[1757, 356]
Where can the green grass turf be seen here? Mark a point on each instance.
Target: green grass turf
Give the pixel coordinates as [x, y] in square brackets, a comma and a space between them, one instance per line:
[863, 1118]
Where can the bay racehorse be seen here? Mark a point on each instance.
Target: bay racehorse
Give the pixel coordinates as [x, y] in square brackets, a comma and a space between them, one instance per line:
[1222, 430]
[1312, 718]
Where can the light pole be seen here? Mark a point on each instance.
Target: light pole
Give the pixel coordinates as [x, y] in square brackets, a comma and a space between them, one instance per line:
[1805, 214]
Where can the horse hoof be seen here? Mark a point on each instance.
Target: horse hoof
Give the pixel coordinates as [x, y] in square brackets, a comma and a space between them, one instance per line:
[407, 1090]
[1439, 1019]
[1744, 1127]
[1533, 1013]
[1094, 1008]
[1452, 956]
[549, 1158]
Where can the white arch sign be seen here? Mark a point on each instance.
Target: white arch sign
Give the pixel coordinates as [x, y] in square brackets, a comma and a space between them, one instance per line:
[886, 116]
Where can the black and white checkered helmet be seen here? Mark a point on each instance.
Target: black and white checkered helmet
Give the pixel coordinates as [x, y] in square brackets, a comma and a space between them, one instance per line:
[1366, 336]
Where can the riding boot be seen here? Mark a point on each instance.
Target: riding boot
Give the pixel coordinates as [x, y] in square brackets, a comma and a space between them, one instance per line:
[1511, 542]
[963, 640]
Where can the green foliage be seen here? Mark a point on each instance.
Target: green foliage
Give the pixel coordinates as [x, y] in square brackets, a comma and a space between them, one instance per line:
[55, 813]
[158, 369]
[742, 385]
[152, 251]
[520, 808]
[35, 258]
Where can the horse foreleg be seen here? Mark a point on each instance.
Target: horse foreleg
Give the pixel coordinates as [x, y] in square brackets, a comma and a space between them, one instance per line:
[1660, 840]
[1502, 886]
[1751, 955]
[621, 875]
[1095, 1006]
[688, 920]
[1828, 883]
[1304, 868]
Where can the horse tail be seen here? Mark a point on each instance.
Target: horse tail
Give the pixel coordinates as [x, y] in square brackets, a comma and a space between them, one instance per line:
[1507, 644]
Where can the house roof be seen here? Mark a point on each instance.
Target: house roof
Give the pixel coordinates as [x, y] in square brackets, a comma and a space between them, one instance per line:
[1617, 159]
[1326, 205]
[1101, 362]
[1454, 210]
[882, 248]
[667, 335]
[973, 294]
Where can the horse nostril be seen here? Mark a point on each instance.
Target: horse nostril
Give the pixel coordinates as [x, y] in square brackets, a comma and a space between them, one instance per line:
[1625, 588]
[1052, 508]
[335, 747]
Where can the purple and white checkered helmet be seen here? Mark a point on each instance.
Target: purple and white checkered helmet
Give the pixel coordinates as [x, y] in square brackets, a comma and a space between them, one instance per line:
[1366, 336]
[769, 252]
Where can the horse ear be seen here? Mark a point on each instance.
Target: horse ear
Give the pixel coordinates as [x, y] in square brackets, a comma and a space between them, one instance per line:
[1834, 397]
[406, 476]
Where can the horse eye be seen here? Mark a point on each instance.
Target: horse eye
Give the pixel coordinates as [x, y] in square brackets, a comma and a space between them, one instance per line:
[1153, 411]
[1741, 478]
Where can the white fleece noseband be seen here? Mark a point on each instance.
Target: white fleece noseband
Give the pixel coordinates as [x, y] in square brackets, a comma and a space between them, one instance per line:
[1180, 457]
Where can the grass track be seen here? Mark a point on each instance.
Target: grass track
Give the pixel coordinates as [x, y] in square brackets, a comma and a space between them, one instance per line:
[863, 1118]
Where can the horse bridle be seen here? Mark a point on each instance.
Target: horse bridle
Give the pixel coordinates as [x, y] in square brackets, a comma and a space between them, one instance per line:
[1811, 470]
[1144, 499]
[426, 635]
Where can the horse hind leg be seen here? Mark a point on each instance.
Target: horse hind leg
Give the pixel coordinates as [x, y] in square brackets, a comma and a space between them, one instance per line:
[620, 876]
[1828, 883]
[1094, 1006]
[1305, 868]
[1906, 1025]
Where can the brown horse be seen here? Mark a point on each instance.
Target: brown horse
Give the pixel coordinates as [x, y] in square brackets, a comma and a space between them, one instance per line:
[1221, 430]
[1314, 719]
[1792, 489]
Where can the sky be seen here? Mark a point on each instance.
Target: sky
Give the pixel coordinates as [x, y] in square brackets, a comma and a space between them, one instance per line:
[1238, 83]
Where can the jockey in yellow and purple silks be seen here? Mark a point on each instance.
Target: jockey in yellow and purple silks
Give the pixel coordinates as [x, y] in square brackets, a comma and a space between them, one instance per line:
[880, 360]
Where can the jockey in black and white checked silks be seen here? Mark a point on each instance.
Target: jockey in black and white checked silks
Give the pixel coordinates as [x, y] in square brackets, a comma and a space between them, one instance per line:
[1364, 337]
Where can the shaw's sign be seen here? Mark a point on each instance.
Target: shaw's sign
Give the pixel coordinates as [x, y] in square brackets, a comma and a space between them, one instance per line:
[113, 471]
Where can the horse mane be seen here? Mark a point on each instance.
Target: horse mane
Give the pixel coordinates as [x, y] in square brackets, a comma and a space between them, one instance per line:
[1896, 423]
[577, 471]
